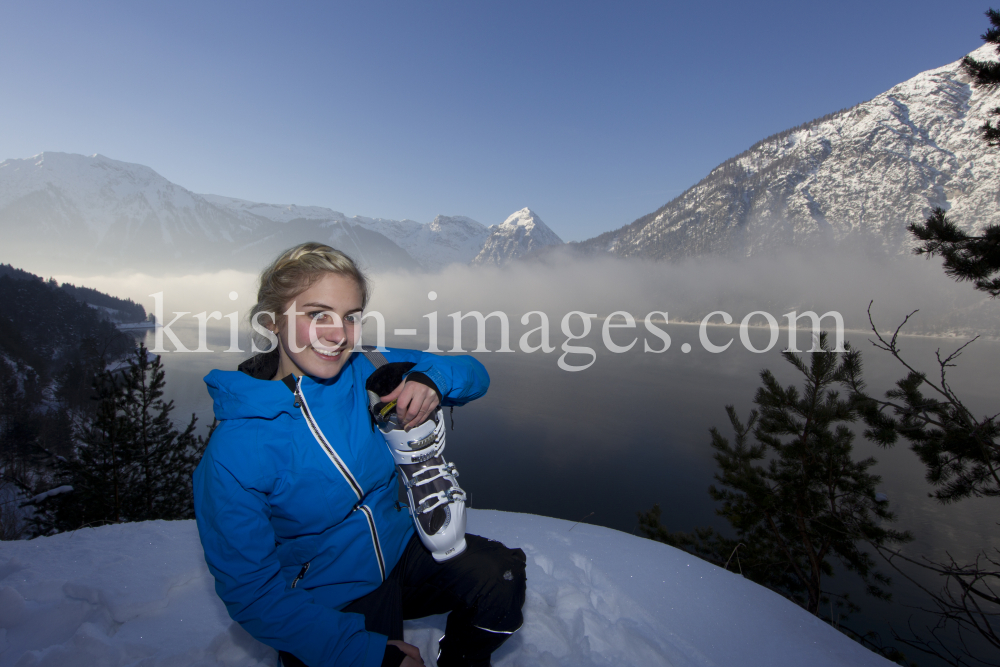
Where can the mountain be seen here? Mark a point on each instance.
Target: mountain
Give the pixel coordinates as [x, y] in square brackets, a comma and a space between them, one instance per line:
[522, 233]
[445, 240]
[66, 213]
[72, 211]
[856, 176]
[448, 239]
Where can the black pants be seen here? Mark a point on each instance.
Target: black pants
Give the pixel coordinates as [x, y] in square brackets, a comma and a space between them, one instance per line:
[483, 588]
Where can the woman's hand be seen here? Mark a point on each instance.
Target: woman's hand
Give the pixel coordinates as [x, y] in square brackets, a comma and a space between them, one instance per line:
[412, 658]
[414, 403]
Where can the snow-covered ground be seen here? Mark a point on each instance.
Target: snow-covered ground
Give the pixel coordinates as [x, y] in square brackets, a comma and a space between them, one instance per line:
[140, 594]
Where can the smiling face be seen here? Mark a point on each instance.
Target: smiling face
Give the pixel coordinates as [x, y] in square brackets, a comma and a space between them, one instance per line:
[319, 328]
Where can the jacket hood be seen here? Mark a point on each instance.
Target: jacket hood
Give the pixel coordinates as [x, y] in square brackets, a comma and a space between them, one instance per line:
[250, 393]
[236, 395]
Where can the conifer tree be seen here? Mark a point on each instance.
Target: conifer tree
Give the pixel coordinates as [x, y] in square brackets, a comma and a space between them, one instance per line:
[166, 457]
[969, 257]
[790, 488]
[987, 72]
[101, 472]
[130, 463]
[961, 452]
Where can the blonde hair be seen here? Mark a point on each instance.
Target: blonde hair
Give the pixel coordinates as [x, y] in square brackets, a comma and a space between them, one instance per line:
[296, 269]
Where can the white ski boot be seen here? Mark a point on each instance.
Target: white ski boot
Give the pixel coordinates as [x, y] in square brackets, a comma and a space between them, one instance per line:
[437, 503]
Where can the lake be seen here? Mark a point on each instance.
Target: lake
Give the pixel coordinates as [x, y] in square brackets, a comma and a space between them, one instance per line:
[632, 429]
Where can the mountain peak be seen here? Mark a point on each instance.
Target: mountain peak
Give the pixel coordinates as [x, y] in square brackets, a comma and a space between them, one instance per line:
[523, 218]
[521, 233]
[856, 176]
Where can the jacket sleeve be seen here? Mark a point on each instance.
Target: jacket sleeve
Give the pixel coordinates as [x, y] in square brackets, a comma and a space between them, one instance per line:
[460, 379]
[234, 525]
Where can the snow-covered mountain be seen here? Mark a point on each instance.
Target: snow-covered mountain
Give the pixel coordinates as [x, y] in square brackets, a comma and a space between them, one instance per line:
[445, 240]
[858, 176]
[448, 240]
[66, 213]
[523, 232]
[76, 209]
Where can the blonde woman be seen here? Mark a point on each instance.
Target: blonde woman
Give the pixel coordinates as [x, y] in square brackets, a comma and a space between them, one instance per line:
[310, 549]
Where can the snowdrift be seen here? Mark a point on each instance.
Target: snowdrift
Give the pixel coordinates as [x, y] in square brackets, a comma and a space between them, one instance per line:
[140, 594]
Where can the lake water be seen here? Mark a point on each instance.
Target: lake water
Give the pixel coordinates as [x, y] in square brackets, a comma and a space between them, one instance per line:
[632, 430]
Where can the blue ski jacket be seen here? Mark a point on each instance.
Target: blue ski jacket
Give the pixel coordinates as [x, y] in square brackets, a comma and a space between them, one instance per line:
[297, 506]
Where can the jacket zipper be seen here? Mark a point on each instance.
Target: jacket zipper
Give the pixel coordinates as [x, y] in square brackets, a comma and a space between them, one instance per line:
[345, 472]
[302, 573]
[375, 542]
[324, 443]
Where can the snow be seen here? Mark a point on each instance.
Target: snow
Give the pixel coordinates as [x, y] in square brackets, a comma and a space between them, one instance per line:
[522, 232]
[65, 488]
[117, 210]
[282, 213]
[140, 593]
[89, 200]
[860, 176]
[445, 240]
[100, 188]
[123, 364]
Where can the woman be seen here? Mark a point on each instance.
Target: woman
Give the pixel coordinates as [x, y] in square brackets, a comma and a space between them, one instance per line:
[322, 569]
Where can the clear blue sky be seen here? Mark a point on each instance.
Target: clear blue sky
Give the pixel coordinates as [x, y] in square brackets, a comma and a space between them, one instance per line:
[592, 114]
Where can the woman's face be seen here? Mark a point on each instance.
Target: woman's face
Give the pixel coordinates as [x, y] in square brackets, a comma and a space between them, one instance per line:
[319, 328]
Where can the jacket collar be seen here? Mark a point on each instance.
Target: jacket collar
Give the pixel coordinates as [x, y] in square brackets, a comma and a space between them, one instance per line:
[250, 393]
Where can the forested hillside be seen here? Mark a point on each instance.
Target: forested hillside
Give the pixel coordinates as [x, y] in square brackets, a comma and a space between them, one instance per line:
[127, 310]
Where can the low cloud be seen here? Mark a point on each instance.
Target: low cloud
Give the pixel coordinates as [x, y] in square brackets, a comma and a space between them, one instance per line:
[800, 280]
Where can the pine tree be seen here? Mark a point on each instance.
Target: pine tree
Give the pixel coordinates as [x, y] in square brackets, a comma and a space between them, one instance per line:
[795, 497]
[961, 452]
[969, 257]
[987, 72]
[166, 457]
[20, 423]
[102, 472]
[129, 463]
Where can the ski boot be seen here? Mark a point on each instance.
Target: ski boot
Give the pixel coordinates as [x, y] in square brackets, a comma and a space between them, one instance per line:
[437, 503]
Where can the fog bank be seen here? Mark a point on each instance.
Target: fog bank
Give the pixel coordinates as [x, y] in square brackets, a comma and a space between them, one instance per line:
[801, 280]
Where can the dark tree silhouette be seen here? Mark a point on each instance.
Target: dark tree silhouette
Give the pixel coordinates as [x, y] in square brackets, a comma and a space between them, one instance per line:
[961, 454]
[970, 257]
[795, 497]
[967, 257]
[987, 72]
[960, 451]
[129, 463]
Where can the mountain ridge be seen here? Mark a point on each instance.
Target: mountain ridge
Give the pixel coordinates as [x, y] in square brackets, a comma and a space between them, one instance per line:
[70, 213]
[859, 175]
[444, 240]
[856, 176]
